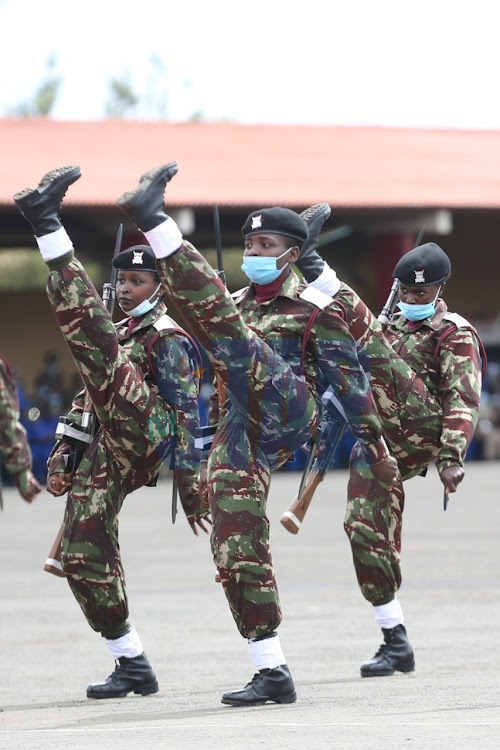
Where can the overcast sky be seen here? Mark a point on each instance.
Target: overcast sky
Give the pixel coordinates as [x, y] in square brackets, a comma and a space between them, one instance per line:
[424, 63]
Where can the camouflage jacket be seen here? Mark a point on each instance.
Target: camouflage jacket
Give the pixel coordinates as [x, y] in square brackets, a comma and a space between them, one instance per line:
[14, 446]
[330, 356]
[168, 362]
[451, 371]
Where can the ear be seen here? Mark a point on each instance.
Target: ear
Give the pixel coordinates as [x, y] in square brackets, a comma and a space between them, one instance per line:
[294, 253]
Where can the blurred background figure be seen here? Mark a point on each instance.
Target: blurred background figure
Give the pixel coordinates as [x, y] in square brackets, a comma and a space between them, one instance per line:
[49, 382]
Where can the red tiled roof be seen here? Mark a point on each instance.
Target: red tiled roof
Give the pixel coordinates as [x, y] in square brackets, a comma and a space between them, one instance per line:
[232, 164]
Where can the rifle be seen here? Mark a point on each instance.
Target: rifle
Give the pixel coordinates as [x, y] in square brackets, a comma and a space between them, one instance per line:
[445, 498]
[331, 431]
[80, 436]
[387, 313]
[218, 246]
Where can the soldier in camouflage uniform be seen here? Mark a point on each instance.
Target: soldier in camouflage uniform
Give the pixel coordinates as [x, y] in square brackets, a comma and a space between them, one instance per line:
[141, 382]
[429, 417]
[14, 446]
[271, 406]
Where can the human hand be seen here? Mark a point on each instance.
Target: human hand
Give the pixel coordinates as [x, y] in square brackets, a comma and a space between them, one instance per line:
[198, 521]
[386, 471]
[59, 483]
[32, 488]
[451, 477]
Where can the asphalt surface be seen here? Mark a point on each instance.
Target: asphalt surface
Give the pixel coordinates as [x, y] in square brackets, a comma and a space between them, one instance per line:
[450, 595]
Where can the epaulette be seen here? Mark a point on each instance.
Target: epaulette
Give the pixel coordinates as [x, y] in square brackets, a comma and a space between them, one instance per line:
[316, 297]
[165, 323]
[458, 320]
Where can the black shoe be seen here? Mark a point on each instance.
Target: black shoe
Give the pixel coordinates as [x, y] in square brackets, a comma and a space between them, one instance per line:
[41, 206]
[274, 685]
[144, 205]
[130, 675]
[394, 655]
[309, 262]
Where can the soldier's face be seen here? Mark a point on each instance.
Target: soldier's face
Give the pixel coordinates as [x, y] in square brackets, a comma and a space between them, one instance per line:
[133, 287]
[418, 295]
[271, 246]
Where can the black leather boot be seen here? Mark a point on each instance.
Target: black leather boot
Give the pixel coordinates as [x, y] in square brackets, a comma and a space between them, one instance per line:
[395, 654]
[274, 685]
[310, 263]
[41, 206]
[144, 205]
[134, 674]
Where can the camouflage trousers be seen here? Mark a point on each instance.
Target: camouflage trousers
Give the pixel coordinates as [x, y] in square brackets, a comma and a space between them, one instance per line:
[122, 457]
[373, 523]
[269, 414]
[412, 424]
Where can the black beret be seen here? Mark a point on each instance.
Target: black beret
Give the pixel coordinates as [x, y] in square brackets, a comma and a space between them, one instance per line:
[276, 220]
[424, 265]
[136, 258]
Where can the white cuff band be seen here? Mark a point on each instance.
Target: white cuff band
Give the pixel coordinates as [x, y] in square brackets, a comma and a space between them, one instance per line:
[266, 654]
[164, 239]
[327, 281]
[389, 615]
[128, 645]
[54, 245]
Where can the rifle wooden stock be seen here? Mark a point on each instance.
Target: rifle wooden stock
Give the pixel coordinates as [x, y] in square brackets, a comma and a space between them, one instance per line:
[294, 515]
[52, 563]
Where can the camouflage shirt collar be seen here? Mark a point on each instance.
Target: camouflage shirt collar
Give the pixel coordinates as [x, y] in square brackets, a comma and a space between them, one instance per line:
[434, 322]
[290, 288]
[151, 317]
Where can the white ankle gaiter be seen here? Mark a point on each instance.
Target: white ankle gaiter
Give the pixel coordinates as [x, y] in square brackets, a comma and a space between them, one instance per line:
[327, 281]
[164, 239]
[54, 245]
[389, 615]
[128, 645]
[267, 653]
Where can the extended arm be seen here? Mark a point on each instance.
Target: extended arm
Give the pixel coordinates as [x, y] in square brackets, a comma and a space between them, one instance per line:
[460, 393]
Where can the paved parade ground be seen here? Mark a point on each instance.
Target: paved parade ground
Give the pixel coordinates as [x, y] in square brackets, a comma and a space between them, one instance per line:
[450, 596]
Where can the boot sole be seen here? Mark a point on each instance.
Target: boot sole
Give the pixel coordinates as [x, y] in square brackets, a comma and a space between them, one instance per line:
[147, 689]
[63, 177]
[289, 698]
[167, 171]
[388, 672]
[319, 209]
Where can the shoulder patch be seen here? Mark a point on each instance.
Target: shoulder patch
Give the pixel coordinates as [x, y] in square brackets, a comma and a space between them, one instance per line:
[165, 323]
[316, 297]
[458, 320]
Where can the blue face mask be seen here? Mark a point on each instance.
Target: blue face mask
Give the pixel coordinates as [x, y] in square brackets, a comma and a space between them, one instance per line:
[263, 270]
[418, 312]
[145, 306]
